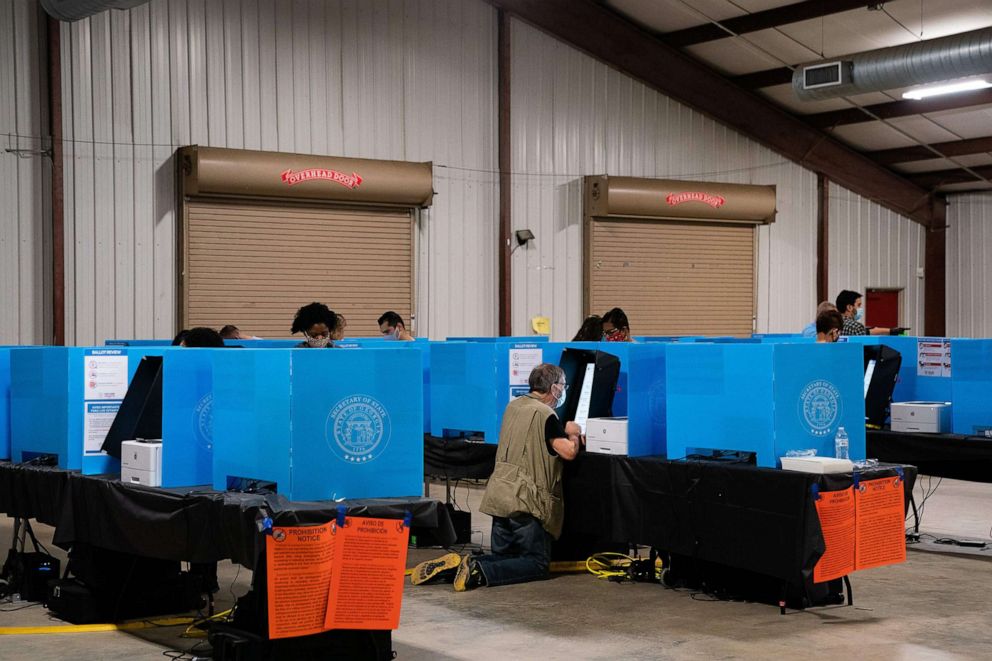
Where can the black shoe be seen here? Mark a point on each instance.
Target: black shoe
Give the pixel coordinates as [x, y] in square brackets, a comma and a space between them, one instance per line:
[469, 575]
[439, 569]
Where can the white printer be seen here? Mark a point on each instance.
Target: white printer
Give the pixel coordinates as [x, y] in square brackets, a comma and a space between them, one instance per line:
[929, 417]
[606, 435]
[141, 462]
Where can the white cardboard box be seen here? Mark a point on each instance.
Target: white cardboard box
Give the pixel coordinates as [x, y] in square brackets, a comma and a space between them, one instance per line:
[929, 417]
[606, 435]
[819, 465]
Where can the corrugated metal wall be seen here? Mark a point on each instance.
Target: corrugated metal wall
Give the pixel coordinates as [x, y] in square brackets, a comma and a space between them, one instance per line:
[393, 80]
[574, 116]
[969, 265]
[872, 247]
[25, 206]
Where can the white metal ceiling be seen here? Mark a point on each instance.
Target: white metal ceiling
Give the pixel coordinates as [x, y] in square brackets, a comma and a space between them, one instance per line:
[897, 22]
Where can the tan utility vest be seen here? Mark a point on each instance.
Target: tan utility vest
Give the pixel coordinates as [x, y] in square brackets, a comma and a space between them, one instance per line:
[526, 479]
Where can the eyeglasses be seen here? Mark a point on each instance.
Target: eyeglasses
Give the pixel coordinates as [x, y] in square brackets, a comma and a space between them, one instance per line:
[564, 386]
[616, 332]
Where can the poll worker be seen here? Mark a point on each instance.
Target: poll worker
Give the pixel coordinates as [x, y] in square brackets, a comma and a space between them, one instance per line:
[392, 327]
[591, 330]
[524, 493]
[851, 307]
[829, 325]
[616, 328]
[810, 329]
[316, 321]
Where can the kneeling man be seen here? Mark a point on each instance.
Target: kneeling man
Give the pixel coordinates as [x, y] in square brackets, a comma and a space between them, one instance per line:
[524, 493]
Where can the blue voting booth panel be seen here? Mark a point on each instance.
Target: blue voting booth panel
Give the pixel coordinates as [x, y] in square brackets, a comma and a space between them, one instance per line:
[471, 384]
[766, 399]
[421, 345]
[357, 424]
[912, 385]
[187, 417]
[512, 339]
[5, 402]
[64, 399]
[251, 416]
[640, 392]
[971, 377]
[263, 344]
[137, 343]
[320, 424]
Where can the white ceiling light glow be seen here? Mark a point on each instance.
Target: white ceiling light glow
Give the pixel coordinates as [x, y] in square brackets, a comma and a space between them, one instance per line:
[951, 88]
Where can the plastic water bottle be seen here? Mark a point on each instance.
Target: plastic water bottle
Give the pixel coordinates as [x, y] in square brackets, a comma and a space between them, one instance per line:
[840, 444]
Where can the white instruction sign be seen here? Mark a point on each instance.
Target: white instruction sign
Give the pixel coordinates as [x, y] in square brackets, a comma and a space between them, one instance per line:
[933, 357]
[522, 363]
[105, 382]
[97, 418]
[105, 375]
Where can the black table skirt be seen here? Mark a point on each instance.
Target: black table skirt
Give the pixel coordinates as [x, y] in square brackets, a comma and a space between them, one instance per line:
[942, 455]
[738, 516]
[194, 524]
[457, 458]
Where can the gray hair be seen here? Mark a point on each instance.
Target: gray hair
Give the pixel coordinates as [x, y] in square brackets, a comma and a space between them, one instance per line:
[544, 376]
[824, 306]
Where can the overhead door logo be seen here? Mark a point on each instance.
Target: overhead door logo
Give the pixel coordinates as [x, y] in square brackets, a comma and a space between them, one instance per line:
[358, 429]
[291, 178]
[819, 407]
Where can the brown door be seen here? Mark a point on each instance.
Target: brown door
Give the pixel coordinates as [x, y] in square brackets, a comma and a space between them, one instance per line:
[671, 277]
[253, 265]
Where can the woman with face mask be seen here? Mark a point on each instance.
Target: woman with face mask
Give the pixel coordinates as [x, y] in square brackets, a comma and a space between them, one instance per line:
[616, 328]
[316, 321]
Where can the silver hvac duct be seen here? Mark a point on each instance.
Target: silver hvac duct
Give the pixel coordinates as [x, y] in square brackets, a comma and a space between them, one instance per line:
[921, 62]
[73, 10]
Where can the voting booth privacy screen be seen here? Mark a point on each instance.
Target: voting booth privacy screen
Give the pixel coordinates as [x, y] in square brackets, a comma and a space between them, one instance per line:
[764, 398]
[65, 399]
[319, 424]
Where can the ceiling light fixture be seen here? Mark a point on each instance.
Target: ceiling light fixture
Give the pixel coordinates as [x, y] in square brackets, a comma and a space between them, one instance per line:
[952, 88]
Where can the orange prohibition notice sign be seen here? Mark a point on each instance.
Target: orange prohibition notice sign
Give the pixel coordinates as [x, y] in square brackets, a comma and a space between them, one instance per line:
[335, 577]
[863, 527]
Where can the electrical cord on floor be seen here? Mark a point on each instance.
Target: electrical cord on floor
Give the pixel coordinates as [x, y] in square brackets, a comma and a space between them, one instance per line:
[619, 567]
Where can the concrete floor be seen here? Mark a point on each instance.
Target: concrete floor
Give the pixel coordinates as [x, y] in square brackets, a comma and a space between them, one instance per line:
[935, 606]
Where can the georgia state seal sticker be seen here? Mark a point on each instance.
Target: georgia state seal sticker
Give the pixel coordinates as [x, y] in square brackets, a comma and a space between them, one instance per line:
[203, 421]
[357, 429]
[819, 407]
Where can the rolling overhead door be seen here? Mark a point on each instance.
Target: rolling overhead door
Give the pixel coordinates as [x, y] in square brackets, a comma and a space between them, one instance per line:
[678, 257]
[254, 264]
[264, 233]
[674, 278]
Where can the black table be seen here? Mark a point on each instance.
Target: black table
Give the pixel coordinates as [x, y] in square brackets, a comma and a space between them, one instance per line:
[941, 455]
[707, 515]
[195, 524]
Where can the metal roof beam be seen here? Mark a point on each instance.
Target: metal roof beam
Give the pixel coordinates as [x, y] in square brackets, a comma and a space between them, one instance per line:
[760, 20]
[927, 152]
[893, 109]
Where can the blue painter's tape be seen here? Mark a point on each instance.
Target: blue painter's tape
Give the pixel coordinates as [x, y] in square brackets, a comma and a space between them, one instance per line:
[342, 512]
[408, 518]
[815, 488]
[900, 473]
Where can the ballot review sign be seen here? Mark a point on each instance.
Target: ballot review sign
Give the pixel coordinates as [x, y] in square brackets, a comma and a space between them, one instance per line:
[105, 382]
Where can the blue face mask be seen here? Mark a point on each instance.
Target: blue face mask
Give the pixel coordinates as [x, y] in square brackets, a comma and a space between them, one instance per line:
[859, 314]
[561, 398]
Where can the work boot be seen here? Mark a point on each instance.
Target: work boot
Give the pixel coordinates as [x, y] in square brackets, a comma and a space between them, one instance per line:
[438, 569]
[469, 575]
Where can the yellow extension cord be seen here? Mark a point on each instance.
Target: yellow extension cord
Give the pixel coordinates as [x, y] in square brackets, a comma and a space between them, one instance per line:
[133, 625]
